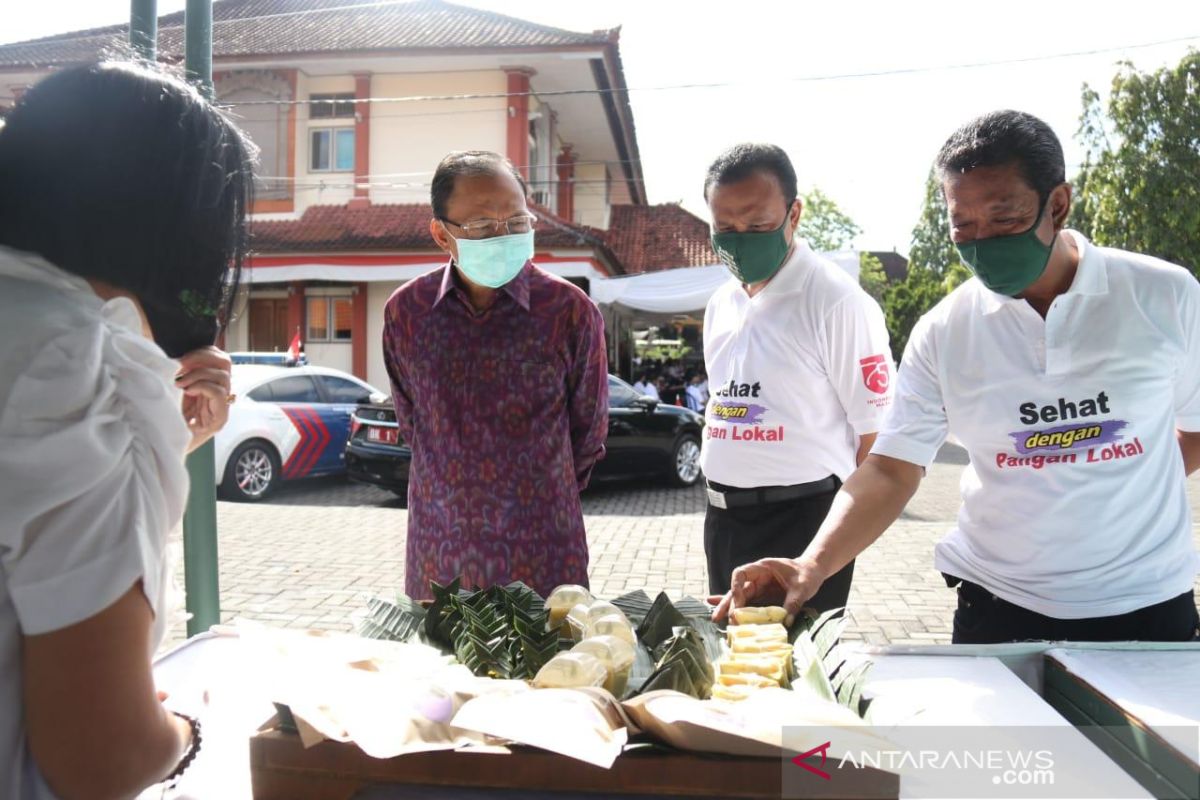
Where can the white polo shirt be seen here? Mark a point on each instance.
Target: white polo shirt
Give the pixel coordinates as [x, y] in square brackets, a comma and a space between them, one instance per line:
[796, 374]
[1074, 503]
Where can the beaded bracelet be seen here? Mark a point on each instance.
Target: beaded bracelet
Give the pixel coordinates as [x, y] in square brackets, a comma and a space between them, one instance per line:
[193, 750]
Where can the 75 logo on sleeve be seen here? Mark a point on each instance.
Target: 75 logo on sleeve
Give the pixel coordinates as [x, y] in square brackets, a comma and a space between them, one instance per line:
[877, 374]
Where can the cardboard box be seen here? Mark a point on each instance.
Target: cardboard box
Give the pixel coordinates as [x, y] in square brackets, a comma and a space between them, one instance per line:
[1141, 707]
[282, 769]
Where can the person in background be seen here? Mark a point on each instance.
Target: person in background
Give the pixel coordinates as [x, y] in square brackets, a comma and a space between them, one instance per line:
[500, 382]
[661, 388]
[645, 386]
[123, 202]
[800, 362]
[1070, 374]
[693, 395]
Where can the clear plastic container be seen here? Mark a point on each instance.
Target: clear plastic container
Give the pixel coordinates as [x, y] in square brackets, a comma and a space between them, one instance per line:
[615, 654]
[603, 608]
[613, 625]
[563, 599]
[577, 623]
[571, 671]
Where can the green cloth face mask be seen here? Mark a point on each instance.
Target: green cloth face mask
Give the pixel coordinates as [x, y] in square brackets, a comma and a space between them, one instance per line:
[753, 257]
[1009, 264]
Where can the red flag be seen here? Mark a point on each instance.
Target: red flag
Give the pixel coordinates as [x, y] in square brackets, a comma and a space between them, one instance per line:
[294, 347]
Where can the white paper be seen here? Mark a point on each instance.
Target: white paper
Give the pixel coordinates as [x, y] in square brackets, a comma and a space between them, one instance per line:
[565, 721]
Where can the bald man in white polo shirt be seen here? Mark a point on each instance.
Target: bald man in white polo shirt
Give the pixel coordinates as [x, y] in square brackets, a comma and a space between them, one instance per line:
[1071, 373]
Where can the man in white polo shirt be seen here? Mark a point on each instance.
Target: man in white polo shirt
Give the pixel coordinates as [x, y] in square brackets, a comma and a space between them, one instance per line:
[1071, 373]
[800, 373]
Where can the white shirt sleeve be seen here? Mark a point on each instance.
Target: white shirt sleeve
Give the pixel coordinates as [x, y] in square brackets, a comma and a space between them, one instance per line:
[858, 361]
[92, 476]
[1187, 376]
[916, 427]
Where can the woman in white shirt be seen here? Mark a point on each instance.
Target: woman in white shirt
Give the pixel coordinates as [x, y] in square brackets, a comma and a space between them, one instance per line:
[123, 197]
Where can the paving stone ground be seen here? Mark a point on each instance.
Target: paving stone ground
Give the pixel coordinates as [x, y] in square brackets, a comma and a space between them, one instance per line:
[314, 552]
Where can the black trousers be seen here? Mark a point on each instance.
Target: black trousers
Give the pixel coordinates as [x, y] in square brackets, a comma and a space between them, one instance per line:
[983, 618]
[737, 536]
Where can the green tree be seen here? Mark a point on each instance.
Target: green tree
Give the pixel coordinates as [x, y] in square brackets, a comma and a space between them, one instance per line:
[956, 275]
[824, 225]
[934, 269]
[1139, 186]
[871, 276]
[905, 302]
[931, 245]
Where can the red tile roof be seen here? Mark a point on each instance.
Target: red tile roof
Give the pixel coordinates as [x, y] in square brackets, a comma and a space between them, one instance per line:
[639, 238]
[328, 228]
[652, 238]
[277, 27]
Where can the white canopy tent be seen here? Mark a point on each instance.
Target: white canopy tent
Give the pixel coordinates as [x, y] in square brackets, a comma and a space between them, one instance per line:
[654, 298]
[679, 291]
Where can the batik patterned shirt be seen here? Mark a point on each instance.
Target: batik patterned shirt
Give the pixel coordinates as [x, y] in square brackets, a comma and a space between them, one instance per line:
[506, 413]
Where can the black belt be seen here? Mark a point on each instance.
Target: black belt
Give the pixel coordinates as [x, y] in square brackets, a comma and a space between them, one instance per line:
[720, 496]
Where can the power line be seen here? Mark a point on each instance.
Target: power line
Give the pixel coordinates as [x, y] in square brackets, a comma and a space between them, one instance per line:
[586, 163]
[727, 84]
[317, 183]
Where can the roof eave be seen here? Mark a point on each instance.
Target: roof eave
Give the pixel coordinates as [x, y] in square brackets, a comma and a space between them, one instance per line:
[623, 122]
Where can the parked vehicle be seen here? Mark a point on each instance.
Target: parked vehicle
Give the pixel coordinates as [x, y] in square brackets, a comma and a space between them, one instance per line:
[277, 359]
[646, 439]
[286, 423]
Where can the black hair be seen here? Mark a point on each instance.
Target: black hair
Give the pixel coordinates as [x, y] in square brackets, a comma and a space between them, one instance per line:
[743, 160]
[121, 173]
[1007, 137]
[466, 164]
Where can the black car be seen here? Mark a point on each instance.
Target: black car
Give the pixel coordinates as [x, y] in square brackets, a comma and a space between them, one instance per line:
[646, 439]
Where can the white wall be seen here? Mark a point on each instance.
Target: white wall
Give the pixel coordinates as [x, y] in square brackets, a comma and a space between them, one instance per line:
[336, 355]
[237, 335]
[590, 206]
[377, 297]
[409, 139]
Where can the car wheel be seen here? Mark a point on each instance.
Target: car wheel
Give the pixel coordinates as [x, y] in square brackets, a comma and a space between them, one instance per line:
[685, 461]
[252, 473]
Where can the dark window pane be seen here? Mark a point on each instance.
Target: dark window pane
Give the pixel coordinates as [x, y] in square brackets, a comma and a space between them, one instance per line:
[340, 390]
[325, 110]
[262, 394]
[343, 317]
[320, 150]
[620, 394]
[295, 389]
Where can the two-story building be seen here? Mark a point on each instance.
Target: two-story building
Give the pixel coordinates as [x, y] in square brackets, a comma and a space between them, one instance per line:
[352, 105]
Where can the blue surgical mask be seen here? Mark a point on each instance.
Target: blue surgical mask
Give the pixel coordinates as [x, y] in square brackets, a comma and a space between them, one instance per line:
[496, 261]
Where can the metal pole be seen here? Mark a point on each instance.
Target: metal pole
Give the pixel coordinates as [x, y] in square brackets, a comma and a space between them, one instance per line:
[201, 576]
[197, 21]
[143, 28]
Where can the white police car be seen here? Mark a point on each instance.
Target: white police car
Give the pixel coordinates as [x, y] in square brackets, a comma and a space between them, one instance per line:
[286, 423]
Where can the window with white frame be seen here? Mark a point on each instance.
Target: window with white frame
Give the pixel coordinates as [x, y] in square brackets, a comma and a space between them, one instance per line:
[331, 149]
[331, 106]
[330, 319]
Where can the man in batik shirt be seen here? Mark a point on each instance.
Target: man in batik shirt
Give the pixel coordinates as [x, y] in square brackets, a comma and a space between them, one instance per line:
[500, 382]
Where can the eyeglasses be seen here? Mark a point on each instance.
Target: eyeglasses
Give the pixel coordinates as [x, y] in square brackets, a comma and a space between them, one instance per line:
[487, 228]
